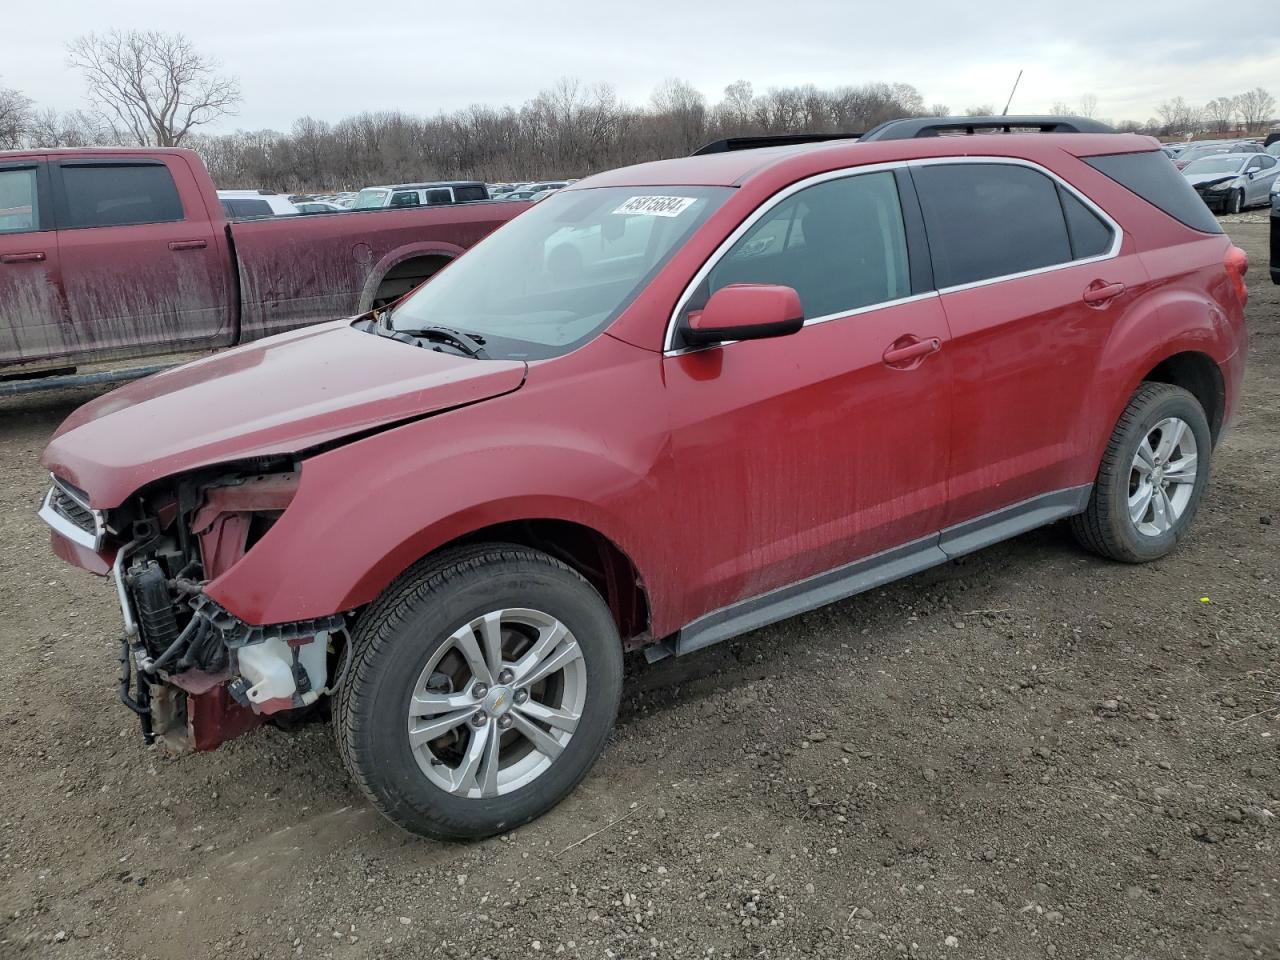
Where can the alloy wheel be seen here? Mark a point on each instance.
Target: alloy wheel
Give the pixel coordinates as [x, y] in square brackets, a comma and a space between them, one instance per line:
[1162, 477]
[497, 703]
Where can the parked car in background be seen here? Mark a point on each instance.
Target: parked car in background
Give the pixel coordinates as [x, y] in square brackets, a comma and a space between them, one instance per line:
[1196, 151]
[1230, 182]
[530, 190]
[109, 253]
[319, 206]
[827, 367]
[255, 204]
[421, 194]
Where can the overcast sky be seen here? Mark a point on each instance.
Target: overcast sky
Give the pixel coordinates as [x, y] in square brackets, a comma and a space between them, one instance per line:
[332, 58]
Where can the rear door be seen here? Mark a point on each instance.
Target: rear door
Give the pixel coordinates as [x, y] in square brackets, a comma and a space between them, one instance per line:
[1259, 176]
[1032, 277]
[142, 268]
[32, 312]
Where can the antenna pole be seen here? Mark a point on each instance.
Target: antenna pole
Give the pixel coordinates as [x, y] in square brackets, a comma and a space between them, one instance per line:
[1005, 111]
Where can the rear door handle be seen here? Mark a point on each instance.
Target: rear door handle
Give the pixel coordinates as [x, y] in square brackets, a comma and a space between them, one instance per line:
[911, 351]
[188, 244]
[35, 256]
[1100, 291]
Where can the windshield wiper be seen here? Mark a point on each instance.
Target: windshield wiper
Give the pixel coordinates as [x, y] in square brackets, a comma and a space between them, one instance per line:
[472, 346]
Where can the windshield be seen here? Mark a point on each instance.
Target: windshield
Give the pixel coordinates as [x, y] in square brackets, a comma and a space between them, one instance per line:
[1215, 165]
[369, 198]
[559, 273]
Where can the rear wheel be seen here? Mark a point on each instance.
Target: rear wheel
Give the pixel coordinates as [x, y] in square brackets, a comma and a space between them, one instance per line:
[1152, 477]
[483, 686]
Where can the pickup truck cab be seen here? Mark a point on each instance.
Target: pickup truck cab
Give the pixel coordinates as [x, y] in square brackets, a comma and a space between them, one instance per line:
[113, 253]
[829, 365]
[421, 194]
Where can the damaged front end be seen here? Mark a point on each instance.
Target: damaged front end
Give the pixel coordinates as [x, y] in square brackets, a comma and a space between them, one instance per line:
[194, 673]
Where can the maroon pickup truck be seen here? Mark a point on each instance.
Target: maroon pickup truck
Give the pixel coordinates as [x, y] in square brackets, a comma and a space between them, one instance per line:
[113, 253]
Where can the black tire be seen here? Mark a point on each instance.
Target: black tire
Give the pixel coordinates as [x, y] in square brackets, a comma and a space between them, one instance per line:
[1105, 527]
[1235, 203]
[391, 645]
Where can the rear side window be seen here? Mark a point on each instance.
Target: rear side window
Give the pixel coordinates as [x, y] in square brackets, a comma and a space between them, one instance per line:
[438, 196]
[1152, 177]
[988, 220]
[407, 198]
[1090, 236]
[246, 209]
[468, 194]
[117, 194]
[19, 203]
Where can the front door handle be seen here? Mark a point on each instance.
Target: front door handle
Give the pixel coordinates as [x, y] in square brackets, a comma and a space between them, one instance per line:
[1100, 291]
[188, 244]
[913, 349]
[35, 256]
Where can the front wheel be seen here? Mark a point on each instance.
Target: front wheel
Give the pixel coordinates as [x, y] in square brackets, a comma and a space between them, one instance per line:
[1152, 477]
[1235, 203]
[482, 688]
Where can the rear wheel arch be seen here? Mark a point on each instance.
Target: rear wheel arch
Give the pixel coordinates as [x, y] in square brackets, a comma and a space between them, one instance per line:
[1199, 375]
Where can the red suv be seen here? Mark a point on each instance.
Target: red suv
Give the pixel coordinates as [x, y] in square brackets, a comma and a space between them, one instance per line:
[667, 405]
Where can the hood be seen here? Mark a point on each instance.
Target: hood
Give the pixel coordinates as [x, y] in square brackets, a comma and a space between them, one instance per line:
[1198, 180]
[278, 396]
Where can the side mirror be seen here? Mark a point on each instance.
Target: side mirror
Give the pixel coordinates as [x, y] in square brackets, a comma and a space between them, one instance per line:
[745, 311]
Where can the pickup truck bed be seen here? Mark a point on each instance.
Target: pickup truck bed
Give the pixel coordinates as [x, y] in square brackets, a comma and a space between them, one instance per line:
[108, 254]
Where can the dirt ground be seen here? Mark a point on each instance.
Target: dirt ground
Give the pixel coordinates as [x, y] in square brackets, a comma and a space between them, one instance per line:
[1027, 753]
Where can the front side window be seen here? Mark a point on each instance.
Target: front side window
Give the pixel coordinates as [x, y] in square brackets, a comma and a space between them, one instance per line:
[117, 194]
[988, 220]
[405, 198]
[438, 196]
[551, 279]
[840, 245]
[19, 201]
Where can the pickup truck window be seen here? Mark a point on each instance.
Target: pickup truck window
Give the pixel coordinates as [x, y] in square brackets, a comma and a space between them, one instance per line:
[405, 198]
[438, 196]
[469, 194]
[246, 209]
[19, 206]
[117, 194]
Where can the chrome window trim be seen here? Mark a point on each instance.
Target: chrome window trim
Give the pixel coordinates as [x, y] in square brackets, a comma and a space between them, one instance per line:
[756, 215]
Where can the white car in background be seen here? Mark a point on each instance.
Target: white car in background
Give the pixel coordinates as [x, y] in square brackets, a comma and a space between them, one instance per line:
[255, 204]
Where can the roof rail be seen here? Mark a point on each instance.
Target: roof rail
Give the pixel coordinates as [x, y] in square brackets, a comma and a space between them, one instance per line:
[781, 140]
[914, 127]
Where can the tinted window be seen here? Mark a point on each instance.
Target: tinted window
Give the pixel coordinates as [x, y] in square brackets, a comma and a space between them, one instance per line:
[1267, 162]
[1090, 236]
[1152, 177]
[118, 194]
[407, 198]
[439, 195]
[840, 244]
[245, 209]
[468, 194]
[19, 204]
[990, 220]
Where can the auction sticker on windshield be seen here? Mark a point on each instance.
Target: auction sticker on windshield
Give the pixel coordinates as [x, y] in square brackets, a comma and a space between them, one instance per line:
[655, 206]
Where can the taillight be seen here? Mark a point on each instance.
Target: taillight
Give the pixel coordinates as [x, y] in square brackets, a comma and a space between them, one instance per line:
[1237, 264]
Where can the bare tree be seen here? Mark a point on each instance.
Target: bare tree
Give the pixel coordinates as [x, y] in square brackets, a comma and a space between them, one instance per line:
[153, 87]
[1221, 113]
[15, 118]
[75, 128]
[1180, 118]
[982, 110]
[1256, 108]
[1088, 106]
[1060, 108]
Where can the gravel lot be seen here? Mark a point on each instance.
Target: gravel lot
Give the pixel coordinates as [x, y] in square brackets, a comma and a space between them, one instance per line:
[1027, 753]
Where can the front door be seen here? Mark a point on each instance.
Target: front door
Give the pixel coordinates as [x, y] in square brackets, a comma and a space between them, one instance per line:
[33, 325]
[798, 454]
[142, 266]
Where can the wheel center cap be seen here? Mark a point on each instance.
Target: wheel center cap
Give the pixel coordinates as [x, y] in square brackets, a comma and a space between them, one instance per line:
[498, 701]
[1157, 475]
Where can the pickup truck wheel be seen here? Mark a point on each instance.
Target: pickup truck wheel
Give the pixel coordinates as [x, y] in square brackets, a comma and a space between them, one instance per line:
[1152, 477]
[482, 688]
